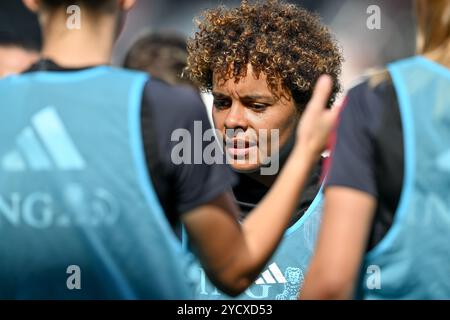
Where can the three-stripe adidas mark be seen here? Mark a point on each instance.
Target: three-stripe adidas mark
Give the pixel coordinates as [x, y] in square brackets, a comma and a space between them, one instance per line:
[43, 146]
[272, 275]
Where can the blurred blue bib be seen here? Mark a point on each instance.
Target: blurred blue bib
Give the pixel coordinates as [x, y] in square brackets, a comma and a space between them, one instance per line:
[79, 218]
[413, 260]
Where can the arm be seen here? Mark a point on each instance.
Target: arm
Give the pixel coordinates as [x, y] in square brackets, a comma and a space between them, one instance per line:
[350, 200]
[345, 228]
[233, 254]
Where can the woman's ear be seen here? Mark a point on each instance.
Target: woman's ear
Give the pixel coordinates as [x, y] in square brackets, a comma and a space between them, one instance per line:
[32, 5]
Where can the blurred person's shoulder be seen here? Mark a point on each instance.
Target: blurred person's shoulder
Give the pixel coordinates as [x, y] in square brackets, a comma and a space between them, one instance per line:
[370, 101]
[177, 100]
[167, 108]
[373, 91]
[375, 81]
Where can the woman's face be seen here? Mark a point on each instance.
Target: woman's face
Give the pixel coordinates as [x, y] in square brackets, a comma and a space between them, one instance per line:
[243, 111]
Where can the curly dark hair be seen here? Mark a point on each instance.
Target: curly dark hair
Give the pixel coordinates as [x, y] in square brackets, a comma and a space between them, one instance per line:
[289, 44]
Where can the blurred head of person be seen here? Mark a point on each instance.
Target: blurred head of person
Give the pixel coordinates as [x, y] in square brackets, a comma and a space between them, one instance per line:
[20, 38]
[162, 54]
[433, 29]
[260, 61]
[77, 33]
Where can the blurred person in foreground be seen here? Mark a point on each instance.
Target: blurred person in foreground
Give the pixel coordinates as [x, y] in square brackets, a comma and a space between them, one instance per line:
[386, 223]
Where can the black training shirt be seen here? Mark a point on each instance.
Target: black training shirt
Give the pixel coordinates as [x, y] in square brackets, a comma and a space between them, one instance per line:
[368, 155]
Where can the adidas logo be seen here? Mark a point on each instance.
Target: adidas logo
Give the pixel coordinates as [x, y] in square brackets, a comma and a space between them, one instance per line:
[272, 275]
[43, 146]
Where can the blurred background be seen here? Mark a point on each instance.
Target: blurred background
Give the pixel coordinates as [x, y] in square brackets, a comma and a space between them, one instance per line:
[363, 48]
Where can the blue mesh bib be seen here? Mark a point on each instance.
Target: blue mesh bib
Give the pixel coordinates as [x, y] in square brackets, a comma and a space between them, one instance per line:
[79, 218]
[413, 260]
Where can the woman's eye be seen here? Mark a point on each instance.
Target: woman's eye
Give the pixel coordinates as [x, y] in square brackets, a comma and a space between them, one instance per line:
[258, 106]
[221, 104]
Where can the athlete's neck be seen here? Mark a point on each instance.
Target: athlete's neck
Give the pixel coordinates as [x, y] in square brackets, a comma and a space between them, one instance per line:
[90, 45]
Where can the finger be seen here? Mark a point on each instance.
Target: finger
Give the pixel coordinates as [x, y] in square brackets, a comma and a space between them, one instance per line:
[322, 92]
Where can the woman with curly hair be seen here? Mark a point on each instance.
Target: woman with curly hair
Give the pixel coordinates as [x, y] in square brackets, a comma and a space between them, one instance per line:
[261, 61]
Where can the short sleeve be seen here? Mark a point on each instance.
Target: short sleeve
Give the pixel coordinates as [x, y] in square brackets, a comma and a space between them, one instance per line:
[353, 155]
[191, 183]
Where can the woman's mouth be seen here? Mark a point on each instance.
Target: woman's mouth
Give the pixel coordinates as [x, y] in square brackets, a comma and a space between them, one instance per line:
[240, 148]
